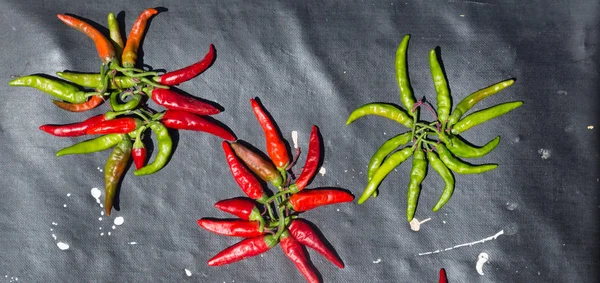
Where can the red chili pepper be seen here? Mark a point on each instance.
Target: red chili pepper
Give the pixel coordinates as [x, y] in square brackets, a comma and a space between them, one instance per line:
[245, 179]
[243, 208]
[116, 126]
[260, 166]
[302, 232]
[181, 120]
[244, 249]
[443, 278]
[235, 228]
[129, 56]
[294, 251]
[275, 146]
[189, 72]
[93, 102]
[176, 101]
[312, 161]
[309, 199]
[105, 48]
[72, 130]
[139, 154]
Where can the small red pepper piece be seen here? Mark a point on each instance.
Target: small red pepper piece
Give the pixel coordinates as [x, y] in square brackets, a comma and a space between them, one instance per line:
[260, 166]
[182, 120]
[302, 232]
[176, 101]
[294, 251]
[443, 278]
[243, 208]
[244, 249]
[116, 126]
[312, 161]
[245, 179]
[105, 48]
[92, 103]
[134, 39]
[189, 72]
[139, 154]
[309, 199]
[234, 228]
[72, 130]
[275, 147]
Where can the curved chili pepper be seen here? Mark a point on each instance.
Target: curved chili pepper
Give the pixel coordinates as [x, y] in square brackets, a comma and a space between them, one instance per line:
[92, 103]
[275, 147]
[139, 153]
[381, 109]
[94, 80]
[58, 89]
[182, 120]
[309, 199]
[189, 72]
[94, 145]
[443, 278]
[114, 169]
[72, 130]
[115, 34]
[464, 150]
[444, 102]
[468, 102]
[386, 167]
[243, 208]
[384, 150]
[129, 105]
[294, 251]
[103, 45]
[165, 145]
[244, 178]
[129, 56]
[417, 174]
[264, 169]
[312, 161]
[406, 95]
[244, 249]
[302, 232]
[176, 101]
[485, 115]
[458, 166]
[439, 166]
[116, 126]
[234, 228]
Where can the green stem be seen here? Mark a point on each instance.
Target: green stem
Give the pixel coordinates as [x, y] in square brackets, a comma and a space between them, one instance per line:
[279, 194]
[421, 125]
[281, 227]
[154, 84]
[141, 115]
[270, 210]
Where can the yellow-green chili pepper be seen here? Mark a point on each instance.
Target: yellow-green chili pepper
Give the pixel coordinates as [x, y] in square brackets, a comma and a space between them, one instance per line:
[441, 87]
[406, 95]
[381, 109]
[165, 146]
[458, 166]
[468, 102]
[94, 145]
[58, 89]
[386, 167]
[439, 166]
[417, 174]
[485, 115]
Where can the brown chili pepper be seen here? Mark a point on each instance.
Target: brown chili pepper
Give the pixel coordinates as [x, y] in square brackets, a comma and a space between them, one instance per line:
[116, 165]
[245, 179]
[261, 167]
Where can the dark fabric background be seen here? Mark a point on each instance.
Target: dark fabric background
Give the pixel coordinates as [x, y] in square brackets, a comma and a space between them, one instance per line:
[313, 62]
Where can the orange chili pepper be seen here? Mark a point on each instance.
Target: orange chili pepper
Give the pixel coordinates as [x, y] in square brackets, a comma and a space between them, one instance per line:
[105, 48]
[275, 146]
[129, 56]
[79, 107]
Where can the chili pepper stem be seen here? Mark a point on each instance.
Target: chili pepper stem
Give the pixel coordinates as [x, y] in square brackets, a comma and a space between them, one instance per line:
[279, 194]
[294, 160]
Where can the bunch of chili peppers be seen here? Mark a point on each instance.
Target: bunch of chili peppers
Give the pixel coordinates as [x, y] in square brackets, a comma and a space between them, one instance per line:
[435, 143]
[280, 221]
[125, 88]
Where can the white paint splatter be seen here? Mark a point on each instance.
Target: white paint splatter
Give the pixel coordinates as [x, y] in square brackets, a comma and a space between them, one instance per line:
[62, 246]
[338, 209]
[102, 212]
[444, 221]
[65, 205]
[99, 228]
[96, 193]
[99, 218]
[415, 225]
[109, 233]
[377, 261]
[322, 171]
[295, 138]
[54, 223]
[467, 244]
[102, 234]
[114, 227]
[119, 220]
[481, 260]
[69, 194]
[511, 206]
[54, 236]
[99, 169]
[187, 272]
[544, 152]
[462, 16]
[562, 92]
[590, 127]
[132, 243]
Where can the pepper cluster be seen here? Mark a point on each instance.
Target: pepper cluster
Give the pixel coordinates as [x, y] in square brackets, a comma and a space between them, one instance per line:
[436, 143]
[281, 223]
[126, 88]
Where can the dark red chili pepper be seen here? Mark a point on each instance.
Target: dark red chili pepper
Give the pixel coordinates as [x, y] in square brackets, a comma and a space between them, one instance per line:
[116, 126]
[443, 278]
[134, 39]
[93, 102]
[302, 232]
[312, 161]
[309, 199]
[139, 154]
[72, 130]
[189, 72]
[260, 166]
[243, 208]
[294, 251]
[182, 120]
[235, 228]
[275, 147]
[176, 101]
[244, 249]
[245, 179]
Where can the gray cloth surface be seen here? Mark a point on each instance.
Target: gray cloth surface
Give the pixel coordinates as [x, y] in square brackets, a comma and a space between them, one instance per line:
[313, 62]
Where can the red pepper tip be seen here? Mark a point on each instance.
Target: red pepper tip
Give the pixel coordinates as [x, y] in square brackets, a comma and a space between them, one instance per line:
[152, 11]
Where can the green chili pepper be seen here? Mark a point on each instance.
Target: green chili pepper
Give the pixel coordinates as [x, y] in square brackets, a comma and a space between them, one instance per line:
[129, 105]
[468, 102]
[115, 34]
[94, 80]
[385, 149]
[461, 149]
[58, 89]
[165, 145]
[94, 145]
[113, 171]
[417, 174]
[485, 115]
[444, 103]
[458, 166]
[386, 167]
[381, 109]
[406, 95]
[439, 166]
